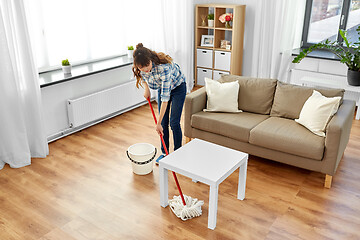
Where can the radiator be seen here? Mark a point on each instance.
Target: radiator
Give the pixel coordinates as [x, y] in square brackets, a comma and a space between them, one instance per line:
[101, 104]
[316, 79]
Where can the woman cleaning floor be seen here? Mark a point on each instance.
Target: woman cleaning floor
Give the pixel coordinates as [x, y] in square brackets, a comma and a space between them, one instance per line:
[157, 71]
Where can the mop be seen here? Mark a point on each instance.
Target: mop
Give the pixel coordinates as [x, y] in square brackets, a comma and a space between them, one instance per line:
[183, 206]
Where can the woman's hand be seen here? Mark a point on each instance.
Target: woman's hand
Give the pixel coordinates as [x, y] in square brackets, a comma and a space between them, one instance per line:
[159, 129]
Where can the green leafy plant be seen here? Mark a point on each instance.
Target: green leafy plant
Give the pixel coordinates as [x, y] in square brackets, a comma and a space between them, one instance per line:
[65, 62]
[349, 55]
[210, 16]
[130, 47]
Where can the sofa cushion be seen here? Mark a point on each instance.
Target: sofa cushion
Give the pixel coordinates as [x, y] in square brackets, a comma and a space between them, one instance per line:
[222, 97]
[233, 125]
[289, 99]
[287, 136]
[255, 94]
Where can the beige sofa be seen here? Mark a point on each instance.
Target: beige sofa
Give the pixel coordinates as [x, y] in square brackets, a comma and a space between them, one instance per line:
[266, 127]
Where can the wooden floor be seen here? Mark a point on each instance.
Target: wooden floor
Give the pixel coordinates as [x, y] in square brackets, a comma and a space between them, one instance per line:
[85, 189]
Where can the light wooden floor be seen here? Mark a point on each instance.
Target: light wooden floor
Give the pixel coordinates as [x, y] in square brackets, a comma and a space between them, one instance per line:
[85, 189]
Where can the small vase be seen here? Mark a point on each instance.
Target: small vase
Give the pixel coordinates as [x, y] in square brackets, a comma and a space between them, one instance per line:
[203, 23]
[227, 24]
[66, 69]
[130, 53]
[211, 23]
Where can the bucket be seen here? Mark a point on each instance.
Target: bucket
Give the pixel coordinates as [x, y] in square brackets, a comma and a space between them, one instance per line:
[141, 155]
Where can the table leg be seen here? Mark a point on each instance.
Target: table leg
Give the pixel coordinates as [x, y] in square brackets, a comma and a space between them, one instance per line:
[213, 202]
[242, 180]
[357, 116]
[163, 186]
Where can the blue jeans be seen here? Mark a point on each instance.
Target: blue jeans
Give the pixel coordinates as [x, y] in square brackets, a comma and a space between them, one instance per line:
[176, 103]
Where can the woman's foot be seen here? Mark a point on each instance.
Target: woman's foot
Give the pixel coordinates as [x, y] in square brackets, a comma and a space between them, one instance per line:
[159, 158]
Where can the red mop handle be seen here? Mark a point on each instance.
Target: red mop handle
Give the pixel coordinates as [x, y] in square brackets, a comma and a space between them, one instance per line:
[167, 153]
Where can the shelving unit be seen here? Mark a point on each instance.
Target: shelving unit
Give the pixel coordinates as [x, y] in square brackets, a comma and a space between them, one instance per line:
[214, 61]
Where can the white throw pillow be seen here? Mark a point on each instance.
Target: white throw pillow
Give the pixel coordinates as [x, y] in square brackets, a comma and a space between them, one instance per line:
[317, 112]
[222, 97]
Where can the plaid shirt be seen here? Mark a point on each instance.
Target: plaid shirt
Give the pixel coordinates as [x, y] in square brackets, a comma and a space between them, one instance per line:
[165, 77]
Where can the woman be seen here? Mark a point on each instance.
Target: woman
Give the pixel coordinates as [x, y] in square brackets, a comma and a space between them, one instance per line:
[158, 72]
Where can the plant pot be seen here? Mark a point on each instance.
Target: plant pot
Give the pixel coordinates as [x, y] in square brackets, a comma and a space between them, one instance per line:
[130, 53]
[66, 69]
[353, 77]
[211, 23]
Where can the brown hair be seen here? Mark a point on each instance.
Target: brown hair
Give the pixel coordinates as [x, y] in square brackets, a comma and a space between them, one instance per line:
[142, 57]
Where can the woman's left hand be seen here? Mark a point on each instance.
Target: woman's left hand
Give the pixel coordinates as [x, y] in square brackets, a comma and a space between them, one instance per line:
[159, 129]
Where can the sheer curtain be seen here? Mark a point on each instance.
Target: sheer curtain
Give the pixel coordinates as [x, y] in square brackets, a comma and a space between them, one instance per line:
[21, 127]
[177, 35]
[277, 30]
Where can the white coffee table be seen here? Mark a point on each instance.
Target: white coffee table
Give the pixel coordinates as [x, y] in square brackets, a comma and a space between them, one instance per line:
[208, 163]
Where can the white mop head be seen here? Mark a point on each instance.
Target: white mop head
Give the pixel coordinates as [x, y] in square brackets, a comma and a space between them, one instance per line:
[192, 208]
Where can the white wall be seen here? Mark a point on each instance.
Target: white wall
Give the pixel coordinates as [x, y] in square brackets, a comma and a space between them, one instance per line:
[54, 97]
[250, 15]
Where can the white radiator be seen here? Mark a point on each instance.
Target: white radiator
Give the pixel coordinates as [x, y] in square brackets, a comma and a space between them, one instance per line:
[101, 104]
[316, 79]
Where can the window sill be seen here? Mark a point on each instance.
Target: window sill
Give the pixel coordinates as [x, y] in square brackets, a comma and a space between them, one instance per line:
[320, 54]
[57, 76]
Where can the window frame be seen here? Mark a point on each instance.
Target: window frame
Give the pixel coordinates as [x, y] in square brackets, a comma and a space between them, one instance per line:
[342, 24]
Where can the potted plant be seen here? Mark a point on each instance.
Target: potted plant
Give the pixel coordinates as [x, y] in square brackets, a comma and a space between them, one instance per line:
[349, 55]
[66, 66]
[210, 18]
[130, 51]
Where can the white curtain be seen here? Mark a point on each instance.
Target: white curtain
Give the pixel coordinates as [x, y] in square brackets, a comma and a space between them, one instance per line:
[277, 30]
[176, 35]
[22, 134]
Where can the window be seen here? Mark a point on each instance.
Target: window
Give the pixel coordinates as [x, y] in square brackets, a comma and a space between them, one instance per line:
[88, 30]
[324, 18]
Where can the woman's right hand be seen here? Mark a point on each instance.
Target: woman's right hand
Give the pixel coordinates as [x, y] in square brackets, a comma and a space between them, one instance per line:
[147, 93]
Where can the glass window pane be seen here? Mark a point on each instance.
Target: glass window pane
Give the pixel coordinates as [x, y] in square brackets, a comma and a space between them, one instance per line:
[353, 21]
[325, 20]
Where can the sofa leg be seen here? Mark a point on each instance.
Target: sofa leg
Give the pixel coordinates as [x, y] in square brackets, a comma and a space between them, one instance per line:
[328, 180]
[187, 139]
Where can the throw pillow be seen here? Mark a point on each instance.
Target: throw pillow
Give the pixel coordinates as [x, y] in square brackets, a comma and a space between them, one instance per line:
[289, 99]
[317, 111]
[221, 97]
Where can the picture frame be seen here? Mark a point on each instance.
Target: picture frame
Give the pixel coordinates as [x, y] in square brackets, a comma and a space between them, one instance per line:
[207, 41]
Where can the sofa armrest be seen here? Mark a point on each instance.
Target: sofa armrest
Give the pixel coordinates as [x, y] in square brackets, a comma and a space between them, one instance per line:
[194, 102]
[337, 136]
